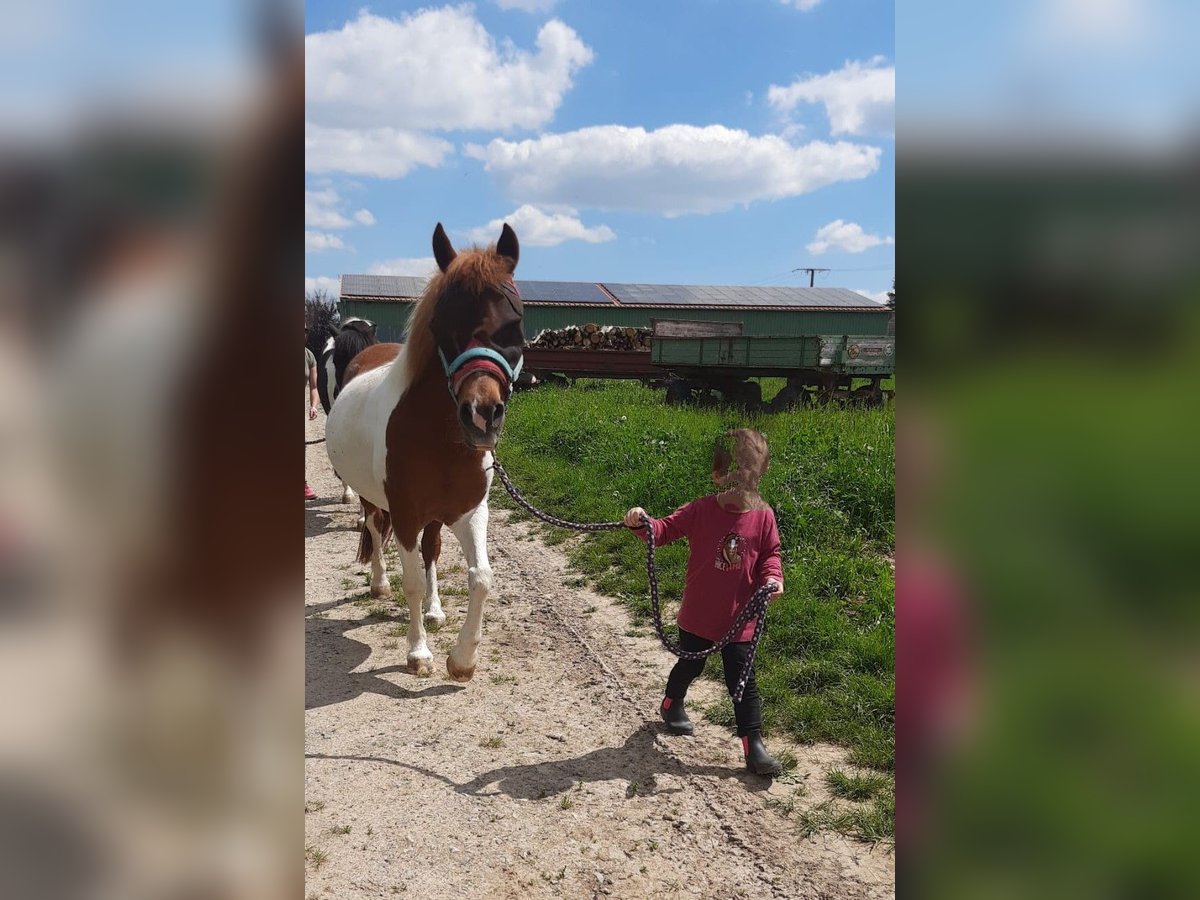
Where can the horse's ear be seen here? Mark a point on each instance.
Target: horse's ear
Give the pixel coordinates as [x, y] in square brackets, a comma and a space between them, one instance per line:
[507, 245]
[443, 250]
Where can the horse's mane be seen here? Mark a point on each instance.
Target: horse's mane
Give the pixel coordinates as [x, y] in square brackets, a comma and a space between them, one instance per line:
[347, 345]
[473, 270]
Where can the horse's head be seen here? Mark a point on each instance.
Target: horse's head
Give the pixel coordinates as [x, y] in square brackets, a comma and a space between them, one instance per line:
[365, 327]
[477, 327]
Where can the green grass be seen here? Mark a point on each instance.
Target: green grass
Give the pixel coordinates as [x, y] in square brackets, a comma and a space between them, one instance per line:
[856, 787]
[315, 856]
[826, 666]
[871, 823]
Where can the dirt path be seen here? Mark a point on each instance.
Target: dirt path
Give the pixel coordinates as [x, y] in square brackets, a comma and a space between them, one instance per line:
[545, 776]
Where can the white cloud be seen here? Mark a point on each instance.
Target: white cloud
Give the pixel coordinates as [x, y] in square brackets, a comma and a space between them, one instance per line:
[322, 283]
[437, 69]
[846, 236]
[381, 152]
[877, 296]
[539, 228]
[419, 266]
[529, 6]
[321, 211]
[317, 241]
[675, 170]
[1091, 25]
[859, 98]
[802, 5]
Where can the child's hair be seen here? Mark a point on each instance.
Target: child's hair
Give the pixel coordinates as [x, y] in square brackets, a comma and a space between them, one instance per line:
[741, 458]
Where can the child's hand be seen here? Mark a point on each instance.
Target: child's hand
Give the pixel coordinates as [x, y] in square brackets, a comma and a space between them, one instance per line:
[776, 590]
[633, 518]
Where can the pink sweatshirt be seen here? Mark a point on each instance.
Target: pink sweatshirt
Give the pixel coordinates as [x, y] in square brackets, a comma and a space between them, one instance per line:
[730, 555]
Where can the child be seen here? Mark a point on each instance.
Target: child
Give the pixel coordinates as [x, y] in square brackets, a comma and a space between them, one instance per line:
[733, 550]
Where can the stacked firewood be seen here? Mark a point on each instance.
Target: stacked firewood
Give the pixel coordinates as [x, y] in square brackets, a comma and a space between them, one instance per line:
[593, 337]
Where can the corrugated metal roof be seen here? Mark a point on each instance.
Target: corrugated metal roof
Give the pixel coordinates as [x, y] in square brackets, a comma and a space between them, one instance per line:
[586, 293]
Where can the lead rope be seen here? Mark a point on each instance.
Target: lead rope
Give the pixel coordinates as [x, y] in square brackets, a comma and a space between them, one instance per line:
[755, 609]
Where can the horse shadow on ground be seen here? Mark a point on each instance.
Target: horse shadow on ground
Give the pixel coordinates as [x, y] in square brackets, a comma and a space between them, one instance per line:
[639, 760]
[331, 658]
[319, 520]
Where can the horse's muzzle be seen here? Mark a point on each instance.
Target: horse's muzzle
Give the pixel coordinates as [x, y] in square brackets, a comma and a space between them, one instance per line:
[481, 423]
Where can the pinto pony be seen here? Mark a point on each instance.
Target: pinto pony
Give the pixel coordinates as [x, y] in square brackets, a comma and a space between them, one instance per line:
[413, 433]
[347, 340]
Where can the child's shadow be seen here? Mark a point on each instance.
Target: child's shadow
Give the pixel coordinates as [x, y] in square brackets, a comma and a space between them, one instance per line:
[639, 761]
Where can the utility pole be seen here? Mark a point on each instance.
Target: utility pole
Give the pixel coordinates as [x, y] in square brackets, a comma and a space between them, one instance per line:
[812, 273]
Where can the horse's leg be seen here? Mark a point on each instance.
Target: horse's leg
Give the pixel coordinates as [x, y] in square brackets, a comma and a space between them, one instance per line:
[471, 531]
[420, 660]
[370, 548]
[431, 549]
[348, 495]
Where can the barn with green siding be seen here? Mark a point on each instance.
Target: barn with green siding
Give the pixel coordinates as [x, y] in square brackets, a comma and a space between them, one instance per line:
[387, 301]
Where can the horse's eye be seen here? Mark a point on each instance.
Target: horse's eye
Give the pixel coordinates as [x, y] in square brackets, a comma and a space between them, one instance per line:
[510, 335]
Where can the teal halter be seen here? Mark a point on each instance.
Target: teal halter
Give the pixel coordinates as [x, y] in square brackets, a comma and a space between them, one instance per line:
[511, 372]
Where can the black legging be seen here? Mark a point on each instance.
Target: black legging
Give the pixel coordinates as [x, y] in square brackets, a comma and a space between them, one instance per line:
[748, 713]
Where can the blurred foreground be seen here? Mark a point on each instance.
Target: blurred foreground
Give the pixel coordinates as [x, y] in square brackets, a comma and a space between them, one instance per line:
[150, 667]
[1048, 494]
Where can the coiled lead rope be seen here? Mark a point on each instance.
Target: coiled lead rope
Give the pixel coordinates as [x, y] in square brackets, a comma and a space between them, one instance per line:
[756, 608]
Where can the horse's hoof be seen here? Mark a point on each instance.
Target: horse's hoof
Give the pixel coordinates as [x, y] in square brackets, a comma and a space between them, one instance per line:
[459, 674]
[434, 622]
[421, 666]
[382, 592]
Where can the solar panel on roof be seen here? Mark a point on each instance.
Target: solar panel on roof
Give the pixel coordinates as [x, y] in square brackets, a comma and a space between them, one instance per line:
[408, 287]
[734, 296]
[400, 286]
[562, 292]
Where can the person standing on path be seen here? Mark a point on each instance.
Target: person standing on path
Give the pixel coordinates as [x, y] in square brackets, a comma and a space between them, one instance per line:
[310, 377]
[733, 549]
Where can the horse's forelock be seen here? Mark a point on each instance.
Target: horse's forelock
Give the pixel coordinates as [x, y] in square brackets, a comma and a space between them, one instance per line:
[474, 270]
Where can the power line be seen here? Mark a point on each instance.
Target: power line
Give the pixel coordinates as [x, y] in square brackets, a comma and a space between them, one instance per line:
[863, 269]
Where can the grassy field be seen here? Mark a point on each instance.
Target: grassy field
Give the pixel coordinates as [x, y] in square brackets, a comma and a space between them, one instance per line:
[826, 665]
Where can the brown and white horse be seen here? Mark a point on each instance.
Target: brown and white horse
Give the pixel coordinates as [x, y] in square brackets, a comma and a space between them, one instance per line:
[419, 454]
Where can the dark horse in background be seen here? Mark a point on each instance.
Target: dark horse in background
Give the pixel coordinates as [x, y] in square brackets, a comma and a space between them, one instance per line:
[345, 342]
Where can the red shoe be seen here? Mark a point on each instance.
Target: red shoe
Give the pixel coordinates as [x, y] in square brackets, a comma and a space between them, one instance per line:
[309, 493]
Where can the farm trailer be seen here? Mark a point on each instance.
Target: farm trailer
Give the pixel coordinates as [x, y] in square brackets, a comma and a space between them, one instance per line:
[697, 360]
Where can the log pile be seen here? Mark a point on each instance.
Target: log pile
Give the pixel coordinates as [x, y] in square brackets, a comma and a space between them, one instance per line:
[593, 337]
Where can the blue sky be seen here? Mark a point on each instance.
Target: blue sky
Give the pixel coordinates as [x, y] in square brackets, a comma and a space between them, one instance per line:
[700, 141]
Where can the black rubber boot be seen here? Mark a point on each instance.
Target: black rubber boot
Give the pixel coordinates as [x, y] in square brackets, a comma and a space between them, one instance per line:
[676, 717]
[758, 760]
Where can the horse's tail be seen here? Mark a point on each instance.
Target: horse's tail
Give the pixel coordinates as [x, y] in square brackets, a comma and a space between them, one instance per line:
[382, 520]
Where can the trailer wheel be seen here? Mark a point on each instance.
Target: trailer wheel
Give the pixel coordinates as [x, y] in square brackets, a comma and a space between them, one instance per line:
[788, 398]
[746, 394]
[678, 393]
[868, 396]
